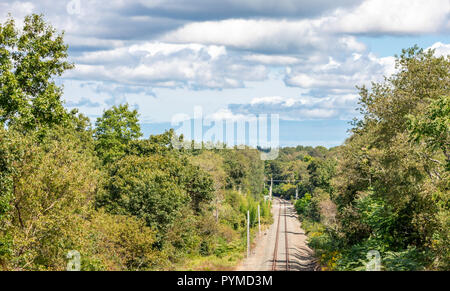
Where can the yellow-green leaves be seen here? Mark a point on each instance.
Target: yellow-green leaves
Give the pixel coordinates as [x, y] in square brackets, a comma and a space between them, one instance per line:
[114, 131]
[29, 60]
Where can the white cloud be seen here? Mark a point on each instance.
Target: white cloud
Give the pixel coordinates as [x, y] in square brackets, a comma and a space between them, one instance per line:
[203, 44]
[157, 64]
[93, 43]
[281, 36]
[273, 100]
[207, 9]
[441, 49]
[328, 76]
[392, 17]
[18, 8]
[275, 60]
[300, 108]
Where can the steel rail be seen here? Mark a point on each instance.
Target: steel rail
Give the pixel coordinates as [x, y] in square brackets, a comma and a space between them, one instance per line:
[286, 238]
[274, 262]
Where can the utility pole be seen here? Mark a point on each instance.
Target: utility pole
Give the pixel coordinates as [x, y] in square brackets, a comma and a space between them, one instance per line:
[259, 221]
[217, 211]
[248, 234]
[270, 191]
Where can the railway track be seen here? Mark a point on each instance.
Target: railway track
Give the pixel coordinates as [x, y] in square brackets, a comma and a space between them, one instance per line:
[286, 237]
[283, 208]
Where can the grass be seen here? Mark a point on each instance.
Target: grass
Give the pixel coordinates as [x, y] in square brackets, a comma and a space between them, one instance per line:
[212, 263]
[225, 261]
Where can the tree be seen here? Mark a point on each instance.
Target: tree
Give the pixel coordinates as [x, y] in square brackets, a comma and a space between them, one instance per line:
[29, 61]
[145, 187]
[6, 194]
[383, 173]
[114, 243]
[236, 170]
[114, 131]
[193, 179]
[321, 172]
[48, 185]
[147, 206]
[160, 144]
[212, 164]
[244, 169]
[433, 127]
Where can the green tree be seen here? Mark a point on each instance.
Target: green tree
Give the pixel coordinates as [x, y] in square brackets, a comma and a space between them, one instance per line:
[146, 188]
[7, 170]
[114, 243]
[320, 173]
[160, 144]
[30, 59]
[195, 181]
[406, 180]
[212, 164]
[244, 169]
[433, 127]
[49, 185]
[114, 131]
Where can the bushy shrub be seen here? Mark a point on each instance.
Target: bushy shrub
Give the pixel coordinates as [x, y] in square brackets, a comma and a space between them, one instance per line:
[116, 242]
[308, 207]
[302, 203]
[410, 259]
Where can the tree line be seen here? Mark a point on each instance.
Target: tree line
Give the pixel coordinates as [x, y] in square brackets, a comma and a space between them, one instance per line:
[386, 189]
[123, 202]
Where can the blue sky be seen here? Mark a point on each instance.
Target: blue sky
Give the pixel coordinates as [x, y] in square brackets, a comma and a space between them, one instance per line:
[237, 58]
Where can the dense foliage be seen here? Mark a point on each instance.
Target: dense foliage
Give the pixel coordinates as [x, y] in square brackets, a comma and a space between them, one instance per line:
[121, 202]
[124, 202]
[387, 188]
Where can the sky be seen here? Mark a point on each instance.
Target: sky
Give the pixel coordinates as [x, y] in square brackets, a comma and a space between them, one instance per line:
[301, 60]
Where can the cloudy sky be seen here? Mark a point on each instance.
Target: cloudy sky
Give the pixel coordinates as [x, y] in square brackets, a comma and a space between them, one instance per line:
[296, 58]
